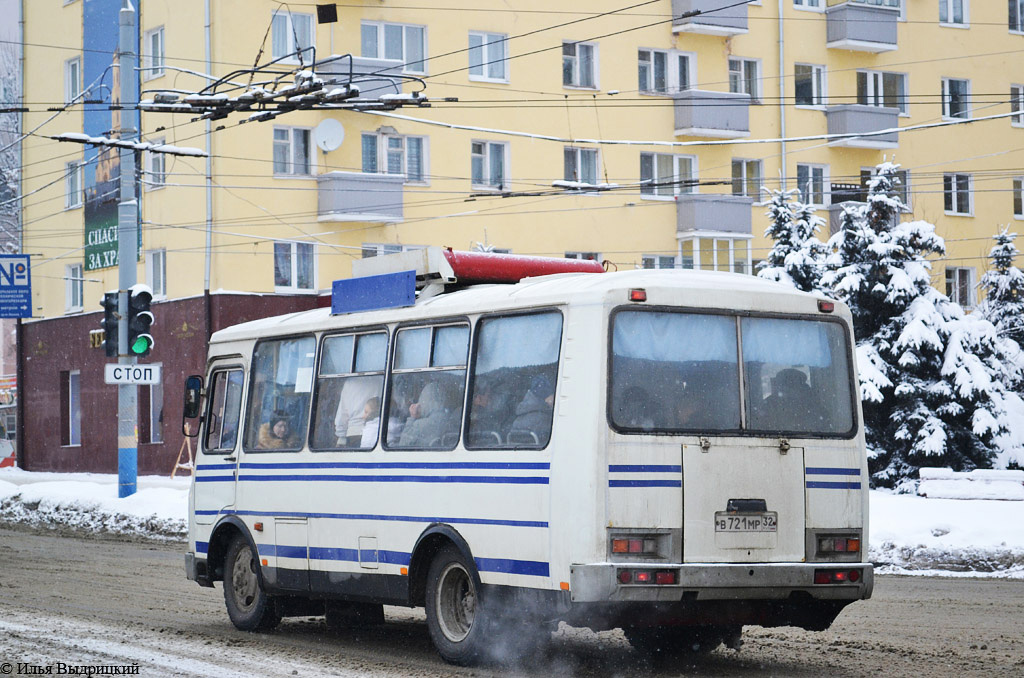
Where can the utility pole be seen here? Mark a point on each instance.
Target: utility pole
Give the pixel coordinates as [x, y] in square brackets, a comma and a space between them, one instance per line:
[127, 244]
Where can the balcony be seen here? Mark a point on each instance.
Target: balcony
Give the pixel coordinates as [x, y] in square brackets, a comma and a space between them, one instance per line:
[861, 119]
[370, 75]
[862, 25]
[716, 115]
[358, 196]
[732, 21]
[711, 213]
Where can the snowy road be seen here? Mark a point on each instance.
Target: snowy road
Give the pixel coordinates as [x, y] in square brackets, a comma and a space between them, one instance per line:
[91, 602]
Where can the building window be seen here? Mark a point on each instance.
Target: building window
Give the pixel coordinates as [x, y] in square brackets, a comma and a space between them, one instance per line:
[72, 79]
[902, 190]
[294, 267]
[811, 181]
[73, 184]
[878, 88]
[151, 413]
[153, 56]
[808, 4]
[956, 98]
[73, 283]
[1017, 104]
[70, 408]
[1017, 16]
[489, 159]
[652, 69]
[579, 64]
[744, 77]
[960, 285]
[292, 151]
[581, 165]
[395, 154]
[956, 192]
[156, 168]
[371, 249]
[584, 256]
[400, 42]
[657, 261]
[746, 178]
[488, 58]
[1018, 197]
[291, 34]
[953, 12]
[666, 175]
[809, 81]
[156, 272]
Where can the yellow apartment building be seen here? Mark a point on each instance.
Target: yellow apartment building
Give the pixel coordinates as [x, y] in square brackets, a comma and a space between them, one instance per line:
[638, 133]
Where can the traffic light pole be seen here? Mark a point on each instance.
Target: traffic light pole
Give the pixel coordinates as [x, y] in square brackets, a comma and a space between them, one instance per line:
[127, 244]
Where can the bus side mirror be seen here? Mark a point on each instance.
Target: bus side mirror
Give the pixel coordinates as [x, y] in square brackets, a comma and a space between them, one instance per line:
[193, 402]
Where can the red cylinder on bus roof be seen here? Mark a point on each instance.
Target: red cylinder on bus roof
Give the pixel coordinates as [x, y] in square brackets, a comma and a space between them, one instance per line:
[485, 267]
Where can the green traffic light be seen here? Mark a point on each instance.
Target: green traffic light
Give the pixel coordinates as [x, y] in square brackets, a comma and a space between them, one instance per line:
[141, 345]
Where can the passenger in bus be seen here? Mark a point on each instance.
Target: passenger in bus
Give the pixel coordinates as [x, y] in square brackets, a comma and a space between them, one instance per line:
[487, 417]
[371, 415]
[349, 420]
[635, 409]
[792, 403]
[430, 417]
[533, 413]
[277, 433]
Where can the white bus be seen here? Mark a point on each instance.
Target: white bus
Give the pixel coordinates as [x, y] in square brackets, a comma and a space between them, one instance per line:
[676, 453]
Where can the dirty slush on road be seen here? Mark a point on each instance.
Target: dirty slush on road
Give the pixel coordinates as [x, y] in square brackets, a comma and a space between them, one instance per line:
[113, 601]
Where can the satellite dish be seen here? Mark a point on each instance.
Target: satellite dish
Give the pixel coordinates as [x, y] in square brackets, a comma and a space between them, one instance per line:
[328, 135]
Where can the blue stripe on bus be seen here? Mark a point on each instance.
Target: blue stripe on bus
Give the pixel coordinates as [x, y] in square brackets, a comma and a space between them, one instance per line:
[202, 546]
[323, 553]
[508, 566]
[498, 466]
[512, 480]
[644, 468]
[645, 483]
[280, 551]
[821, 485]
[215, 467]
[504, 565]
[370, 516]
[811, 471]
[215, 479]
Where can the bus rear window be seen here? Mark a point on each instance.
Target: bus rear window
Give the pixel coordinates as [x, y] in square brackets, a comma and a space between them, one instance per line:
[680, 371]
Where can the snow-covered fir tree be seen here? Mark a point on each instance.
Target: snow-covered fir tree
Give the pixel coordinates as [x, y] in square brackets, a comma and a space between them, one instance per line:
[796, 256]
[1003, 284]
[932, 377]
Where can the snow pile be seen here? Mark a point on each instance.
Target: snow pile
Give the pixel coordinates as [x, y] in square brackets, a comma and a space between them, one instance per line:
[944, 483]
[88, 502]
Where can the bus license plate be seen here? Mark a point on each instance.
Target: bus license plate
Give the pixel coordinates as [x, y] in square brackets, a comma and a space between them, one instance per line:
[746, 522]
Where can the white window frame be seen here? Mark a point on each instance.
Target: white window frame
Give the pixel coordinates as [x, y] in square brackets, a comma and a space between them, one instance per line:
[648, 84]
[72, 79]
[485, 156]
[947, 100]
[657, 163]
[957, 209]
[156, 272]
[74, 190]
[658, 261]
[873, 96]
[904, 193]
[577, 70]
[825, 196]
[290, 145]
[953, 292]
[488, 61]
[154, 55]
[1017, 28]
[408, 32]
[379, 249]
[819, 86]
[74, 403]
[577, 153]
[1018, 197]
[745, 178]
[156, 169]
[584, 256]
[677, 79]
[809, 5]
[949, 5]
[74, 286]
[740, 83]
[289, 47]
[384, 148]
[1017, 105]
[293, 275]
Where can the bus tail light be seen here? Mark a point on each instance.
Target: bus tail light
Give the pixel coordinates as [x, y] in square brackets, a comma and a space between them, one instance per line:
[826, 306]
[638, 295]
[833, 545]
[836, 576]
[635, 546]
[648, 577]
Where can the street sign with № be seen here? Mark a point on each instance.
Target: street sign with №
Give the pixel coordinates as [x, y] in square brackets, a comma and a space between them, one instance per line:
[15, 286]
[114, 373]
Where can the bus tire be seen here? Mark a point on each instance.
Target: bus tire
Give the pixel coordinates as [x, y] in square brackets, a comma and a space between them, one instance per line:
[250, 608]
[667, 642]
[457, 621]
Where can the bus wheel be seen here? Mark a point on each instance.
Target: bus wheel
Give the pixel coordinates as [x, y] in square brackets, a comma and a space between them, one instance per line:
[666, 642]
[249, 606]
[455, 617]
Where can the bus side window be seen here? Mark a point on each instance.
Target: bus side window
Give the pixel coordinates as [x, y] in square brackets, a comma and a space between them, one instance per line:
[225, 409]
[427, 387]
[282, 375]
[350, 388]
[513, 383]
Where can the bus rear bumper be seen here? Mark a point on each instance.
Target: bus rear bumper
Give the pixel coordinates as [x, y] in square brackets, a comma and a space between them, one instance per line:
[603, 582]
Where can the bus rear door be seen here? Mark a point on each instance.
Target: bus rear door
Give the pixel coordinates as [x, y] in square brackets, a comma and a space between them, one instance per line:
[217, 463]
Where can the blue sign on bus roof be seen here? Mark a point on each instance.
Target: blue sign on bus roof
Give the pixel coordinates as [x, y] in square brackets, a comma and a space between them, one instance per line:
[372, 292]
